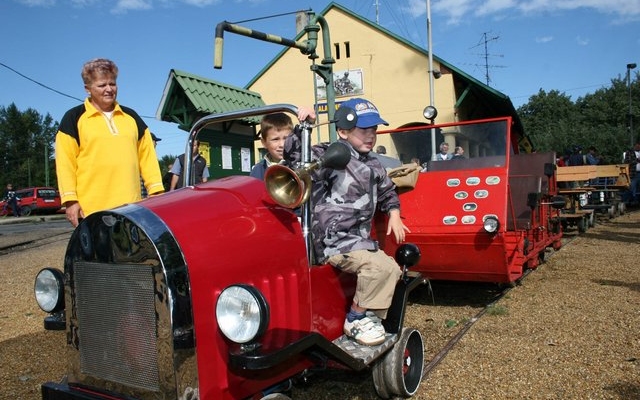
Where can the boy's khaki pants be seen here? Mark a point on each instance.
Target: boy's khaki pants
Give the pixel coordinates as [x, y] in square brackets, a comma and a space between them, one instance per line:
[377, 274]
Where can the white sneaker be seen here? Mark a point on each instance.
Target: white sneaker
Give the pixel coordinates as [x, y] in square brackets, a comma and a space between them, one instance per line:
[364, 331]
[376, 320]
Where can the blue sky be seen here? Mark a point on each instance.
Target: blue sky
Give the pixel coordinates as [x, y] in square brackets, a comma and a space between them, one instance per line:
[574, 46]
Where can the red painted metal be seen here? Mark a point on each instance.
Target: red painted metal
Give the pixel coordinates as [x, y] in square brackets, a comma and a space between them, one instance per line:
[249, 240]
[446, 209]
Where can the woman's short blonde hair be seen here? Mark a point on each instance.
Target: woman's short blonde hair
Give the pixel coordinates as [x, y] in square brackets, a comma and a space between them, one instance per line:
[98, 66]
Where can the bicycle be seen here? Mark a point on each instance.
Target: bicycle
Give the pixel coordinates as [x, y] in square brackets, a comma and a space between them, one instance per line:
[7, 210]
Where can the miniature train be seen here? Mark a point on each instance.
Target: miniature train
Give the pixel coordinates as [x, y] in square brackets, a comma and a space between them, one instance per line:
[207, 292]
[486, 217]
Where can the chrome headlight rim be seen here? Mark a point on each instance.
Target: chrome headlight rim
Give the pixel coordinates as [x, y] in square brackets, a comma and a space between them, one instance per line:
[491, 224]
[242, 313]
[48, 289]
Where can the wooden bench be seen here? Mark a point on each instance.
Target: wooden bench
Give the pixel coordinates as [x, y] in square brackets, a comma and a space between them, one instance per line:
[614, 175]
[576, 173]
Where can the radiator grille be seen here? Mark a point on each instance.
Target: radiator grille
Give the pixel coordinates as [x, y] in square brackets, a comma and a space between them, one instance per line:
[115, 306]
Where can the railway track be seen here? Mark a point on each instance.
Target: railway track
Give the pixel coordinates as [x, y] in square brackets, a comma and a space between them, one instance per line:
[29, 242]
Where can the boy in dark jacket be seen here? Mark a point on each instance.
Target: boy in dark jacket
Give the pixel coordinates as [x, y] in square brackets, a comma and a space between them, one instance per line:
[343, 205]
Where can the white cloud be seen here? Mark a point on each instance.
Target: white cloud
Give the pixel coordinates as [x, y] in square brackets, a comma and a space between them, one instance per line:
[415, 8]
[456, 11]
[122, 6]
[494, 6]
[544, 39]
[200, 3]
[582, 41]
[37, 3]
[83, 3]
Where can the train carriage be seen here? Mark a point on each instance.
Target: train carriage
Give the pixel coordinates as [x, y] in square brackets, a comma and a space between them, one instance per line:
[486, 217]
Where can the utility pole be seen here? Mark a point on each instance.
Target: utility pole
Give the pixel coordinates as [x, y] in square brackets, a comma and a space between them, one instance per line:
[630, 66]
[431, 90]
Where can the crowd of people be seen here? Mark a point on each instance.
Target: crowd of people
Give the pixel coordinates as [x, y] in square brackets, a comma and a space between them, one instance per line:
[575, 156]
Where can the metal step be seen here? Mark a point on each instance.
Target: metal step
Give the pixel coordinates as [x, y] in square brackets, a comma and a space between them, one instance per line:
[366, 354]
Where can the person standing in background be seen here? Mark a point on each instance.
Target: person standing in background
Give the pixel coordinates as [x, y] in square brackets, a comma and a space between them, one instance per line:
[103, 148]
[166, 178]
[143, 189]
[444, 154]
[199, 171]
[11, 199]
[632, 157]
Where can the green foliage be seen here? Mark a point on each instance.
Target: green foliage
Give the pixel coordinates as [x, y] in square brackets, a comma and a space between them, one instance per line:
[556, 123]
[166, 162]
[26, 147]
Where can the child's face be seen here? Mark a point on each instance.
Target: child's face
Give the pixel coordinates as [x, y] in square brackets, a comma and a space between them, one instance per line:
[274, 142]
[362, 139]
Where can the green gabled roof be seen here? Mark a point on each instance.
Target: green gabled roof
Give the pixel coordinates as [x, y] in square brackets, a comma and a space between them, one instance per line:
[187, 97]
[501, 102]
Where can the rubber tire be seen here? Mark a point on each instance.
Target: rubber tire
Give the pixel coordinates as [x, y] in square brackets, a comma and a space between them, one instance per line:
[276, 396]
[25, 211]
[582, 225]
[399, 372]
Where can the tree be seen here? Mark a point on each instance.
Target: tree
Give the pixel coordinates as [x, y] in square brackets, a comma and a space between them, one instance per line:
[555, 123]
[26, 147]
[550, 120]
[165, 161]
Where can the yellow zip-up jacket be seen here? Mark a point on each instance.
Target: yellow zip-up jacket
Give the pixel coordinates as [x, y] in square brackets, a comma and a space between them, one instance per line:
[99, 161]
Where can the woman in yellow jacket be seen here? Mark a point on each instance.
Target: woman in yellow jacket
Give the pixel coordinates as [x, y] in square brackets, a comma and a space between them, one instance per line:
[103, 148]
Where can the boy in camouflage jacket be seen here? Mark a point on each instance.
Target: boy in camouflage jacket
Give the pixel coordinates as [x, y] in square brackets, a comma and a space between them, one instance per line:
[343, 206]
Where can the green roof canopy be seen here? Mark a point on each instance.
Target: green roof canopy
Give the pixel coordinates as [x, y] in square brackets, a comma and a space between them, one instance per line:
[187, 98]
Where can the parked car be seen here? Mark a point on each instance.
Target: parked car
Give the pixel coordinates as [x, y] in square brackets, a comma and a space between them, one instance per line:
[40, 200]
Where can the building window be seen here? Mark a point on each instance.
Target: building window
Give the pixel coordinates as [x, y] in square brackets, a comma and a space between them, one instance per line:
[337, 47]
[347, 49]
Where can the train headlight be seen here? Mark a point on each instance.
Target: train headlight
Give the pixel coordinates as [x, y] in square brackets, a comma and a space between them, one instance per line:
[491, 224]
[49, 290]
[242, 313]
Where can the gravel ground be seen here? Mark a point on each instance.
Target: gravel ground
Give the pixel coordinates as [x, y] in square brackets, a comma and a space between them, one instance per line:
[569, 331]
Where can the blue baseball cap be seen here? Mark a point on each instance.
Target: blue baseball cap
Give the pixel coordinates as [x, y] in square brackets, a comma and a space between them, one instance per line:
[367, 113]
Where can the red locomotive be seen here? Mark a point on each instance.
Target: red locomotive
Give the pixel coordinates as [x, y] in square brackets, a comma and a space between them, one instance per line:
[208, 293]
[484, 217]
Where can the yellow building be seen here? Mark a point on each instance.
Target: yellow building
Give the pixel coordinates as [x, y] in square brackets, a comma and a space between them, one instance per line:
[365, 60]
[376, 64]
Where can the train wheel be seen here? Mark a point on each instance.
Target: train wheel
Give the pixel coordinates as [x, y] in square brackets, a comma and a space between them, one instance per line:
[276, 396]
[582, 225]
[622, 208]
[612, 212]
[399, 372]
[541, 256]
[592, 220]
[557, 244]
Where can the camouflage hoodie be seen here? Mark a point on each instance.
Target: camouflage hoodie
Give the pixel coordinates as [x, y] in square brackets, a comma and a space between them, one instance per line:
[343, 202]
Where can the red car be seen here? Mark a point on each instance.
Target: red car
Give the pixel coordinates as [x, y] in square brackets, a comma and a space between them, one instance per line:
[39, 200]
